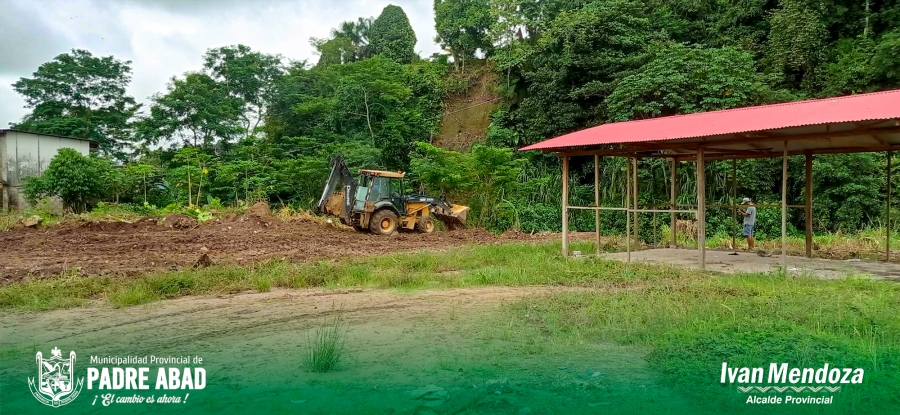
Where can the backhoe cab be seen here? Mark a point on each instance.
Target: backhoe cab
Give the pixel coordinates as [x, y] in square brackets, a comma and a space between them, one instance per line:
[376, 201]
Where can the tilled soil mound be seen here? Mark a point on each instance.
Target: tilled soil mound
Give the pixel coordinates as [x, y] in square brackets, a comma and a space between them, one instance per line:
[127, 249]
[178, 221]
[260, 209]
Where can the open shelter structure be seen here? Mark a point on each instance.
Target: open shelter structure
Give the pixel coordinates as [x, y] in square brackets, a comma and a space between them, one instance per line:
[849, 124]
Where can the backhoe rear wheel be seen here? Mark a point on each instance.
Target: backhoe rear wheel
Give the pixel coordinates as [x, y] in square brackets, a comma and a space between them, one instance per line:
[425, 225]
[384, 222]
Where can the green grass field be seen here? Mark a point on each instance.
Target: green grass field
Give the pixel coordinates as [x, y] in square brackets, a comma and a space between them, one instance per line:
[692, 325]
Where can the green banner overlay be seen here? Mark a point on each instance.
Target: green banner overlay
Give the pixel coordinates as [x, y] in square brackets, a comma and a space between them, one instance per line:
[488, 350]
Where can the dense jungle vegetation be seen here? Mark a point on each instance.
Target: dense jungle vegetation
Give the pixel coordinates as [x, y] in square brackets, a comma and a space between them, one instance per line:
[249, 126]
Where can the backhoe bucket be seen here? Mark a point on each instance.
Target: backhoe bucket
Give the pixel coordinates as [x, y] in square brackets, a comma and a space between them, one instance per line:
[334, 205]
[454, 218]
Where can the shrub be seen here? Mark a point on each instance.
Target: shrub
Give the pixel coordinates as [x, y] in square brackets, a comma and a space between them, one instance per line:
[73, 177]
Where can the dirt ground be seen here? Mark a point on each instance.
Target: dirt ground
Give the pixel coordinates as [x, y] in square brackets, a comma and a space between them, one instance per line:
[252, 347]
[122, 248]
[722, 261]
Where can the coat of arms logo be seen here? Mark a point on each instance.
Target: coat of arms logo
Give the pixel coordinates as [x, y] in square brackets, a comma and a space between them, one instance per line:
[55, 384]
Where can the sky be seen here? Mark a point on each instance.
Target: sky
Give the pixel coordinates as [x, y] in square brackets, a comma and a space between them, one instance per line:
[164, 38]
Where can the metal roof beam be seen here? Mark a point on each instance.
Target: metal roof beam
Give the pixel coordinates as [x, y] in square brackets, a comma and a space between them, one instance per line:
[635, 148]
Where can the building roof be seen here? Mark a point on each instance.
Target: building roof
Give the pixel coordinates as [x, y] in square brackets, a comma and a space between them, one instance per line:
[5, 130]
[864, 122]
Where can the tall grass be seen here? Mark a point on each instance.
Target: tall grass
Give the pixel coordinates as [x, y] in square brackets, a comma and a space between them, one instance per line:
[869, 243]
[325, 345]
[7, 220]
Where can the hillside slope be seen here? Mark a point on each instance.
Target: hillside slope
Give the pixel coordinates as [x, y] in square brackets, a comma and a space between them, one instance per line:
[467, 116]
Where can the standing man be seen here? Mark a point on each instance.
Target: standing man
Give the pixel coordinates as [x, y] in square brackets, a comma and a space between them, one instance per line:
[749, 221]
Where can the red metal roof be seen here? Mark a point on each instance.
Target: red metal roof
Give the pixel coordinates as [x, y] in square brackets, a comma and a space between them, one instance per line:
[853, 108]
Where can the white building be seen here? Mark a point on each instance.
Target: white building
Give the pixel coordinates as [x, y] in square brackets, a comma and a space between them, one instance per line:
[24, 154]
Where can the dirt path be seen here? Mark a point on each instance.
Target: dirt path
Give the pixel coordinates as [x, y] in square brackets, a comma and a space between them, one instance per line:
[120, 248]
[168, 324]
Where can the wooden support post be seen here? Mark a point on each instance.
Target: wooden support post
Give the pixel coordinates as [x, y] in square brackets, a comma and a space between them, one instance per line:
[887, 215]
[655, 229]
[784, 167]
[634, 195]
[701, 207]
[734, 204]
[628, 209]
[565, 206]
[808, 205]
[597, 201]
[672, 202]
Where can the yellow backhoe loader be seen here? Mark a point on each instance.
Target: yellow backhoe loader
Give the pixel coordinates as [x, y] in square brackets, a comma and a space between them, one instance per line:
[375, 201]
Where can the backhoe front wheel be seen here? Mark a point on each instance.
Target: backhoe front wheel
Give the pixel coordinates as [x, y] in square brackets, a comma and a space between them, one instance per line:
[425, 225]
[384, 222]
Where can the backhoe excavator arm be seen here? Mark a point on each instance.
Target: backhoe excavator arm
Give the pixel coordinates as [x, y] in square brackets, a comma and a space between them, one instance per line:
[340, 174]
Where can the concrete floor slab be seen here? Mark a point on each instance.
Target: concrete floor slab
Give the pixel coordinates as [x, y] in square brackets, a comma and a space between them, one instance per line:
[723, 261]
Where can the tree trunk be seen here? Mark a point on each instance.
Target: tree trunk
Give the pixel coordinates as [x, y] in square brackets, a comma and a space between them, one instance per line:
[868, 12]
[199, 189]
[368, 117]
[259, 118]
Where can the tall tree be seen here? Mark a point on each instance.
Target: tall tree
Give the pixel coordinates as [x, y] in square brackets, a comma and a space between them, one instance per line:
[247, 75]
[516, 27]
[850, 70]
[739, 23]
[357, 32]
[196, 109]
[392, 36]
[680, 79]
[797, 40]
[80, 95]
[525, 20]
[463, 27]
[886, 62]
[376, 102]
[575, 64]
[349, 42]
[334, 51]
